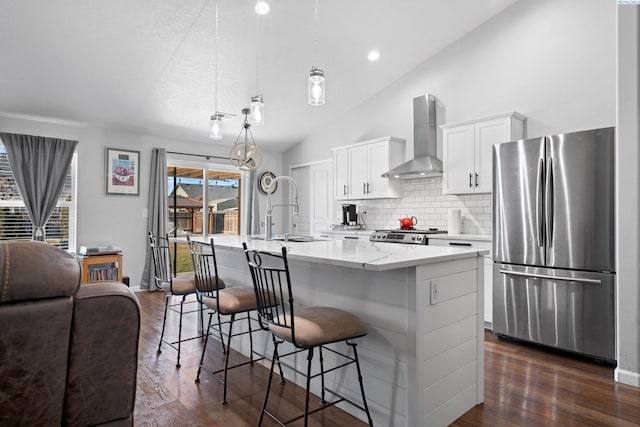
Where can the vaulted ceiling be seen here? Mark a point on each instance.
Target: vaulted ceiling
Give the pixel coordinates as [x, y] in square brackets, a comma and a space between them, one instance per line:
[148, 65]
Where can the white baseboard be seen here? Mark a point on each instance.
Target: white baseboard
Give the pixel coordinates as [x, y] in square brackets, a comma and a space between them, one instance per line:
[627, 377]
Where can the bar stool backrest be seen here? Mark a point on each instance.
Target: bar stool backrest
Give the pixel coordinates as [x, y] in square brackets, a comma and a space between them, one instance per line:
[161, 260]
[205, 268]
[270, 275]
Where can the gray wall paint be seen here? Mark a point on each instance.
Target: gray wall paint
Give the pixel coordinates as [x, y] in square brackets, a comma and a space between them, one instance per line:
[116, 219]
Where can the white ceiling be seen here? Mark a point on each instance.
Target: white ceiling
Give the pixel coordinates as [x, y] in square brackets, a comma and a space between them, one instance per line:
[147, 65]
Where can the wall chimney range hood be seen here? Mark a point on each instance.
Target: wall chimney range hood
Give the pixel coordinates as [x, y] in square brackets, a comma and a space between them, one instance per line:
[424, 162]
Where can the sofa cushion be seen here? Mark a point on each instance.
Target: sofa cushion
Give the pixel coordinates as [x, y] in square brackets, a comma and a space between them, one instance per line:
[36, 270]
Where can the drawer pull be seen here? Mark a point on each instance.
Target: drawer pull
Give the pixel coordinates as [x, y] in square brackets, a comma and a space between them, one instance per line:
[350, 238]
[459, 244]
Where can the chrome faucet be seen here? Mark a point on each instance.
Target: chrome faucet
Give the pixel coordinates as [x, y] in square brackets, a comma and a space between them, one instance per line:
[268, 217]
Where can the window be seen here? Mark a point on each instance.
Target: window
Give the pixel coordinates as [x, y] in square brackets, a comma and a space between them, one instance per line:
[194, 211]
[14, 218]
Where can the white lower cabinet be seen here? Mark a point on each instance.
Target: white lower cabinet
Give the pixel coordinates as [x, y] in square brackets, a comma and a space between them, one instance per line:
[470, 242]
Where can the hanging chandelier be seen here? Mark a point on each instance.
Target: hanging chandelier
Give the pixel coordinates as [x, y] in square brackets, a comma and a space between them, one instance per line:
[245, 155]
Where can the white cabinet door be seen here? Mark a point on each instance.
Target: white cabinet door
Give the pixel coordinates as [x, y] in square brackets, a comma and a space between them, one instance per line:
[486, 134]
[378, 164]
[321, 201]
[358, 171]
[458, 159]
[301, 222]
[467, 153]
[365, 163]
[341, 173]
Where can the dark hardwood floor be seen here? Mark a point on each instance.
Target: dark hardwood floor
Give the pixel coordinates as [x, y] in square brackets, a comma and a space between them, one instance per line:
[524, 386]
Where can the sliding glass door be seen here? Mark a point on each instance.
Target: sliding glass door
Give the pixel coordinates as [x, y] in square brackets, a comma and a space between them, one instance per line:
[203, 200]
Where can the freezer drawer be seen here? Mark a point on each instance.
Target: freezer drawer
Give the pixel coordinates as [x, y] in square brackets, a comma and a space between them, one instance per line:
[570, 310]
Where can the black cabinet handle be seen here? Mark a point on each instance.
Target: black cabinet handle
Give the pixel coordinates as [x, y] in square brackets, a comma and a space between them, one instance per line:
[476, 179]
[350, 238]
[470, 176]
[459, 244]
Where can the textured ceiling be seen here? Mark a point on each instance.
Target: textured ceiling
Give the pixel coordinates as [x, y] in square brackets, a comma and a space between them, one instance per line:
[148, 65]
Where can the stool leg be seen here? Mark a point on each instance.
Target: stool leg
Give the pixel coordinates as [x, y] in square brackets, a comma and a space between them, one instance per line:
[322, 400]
[306, 403]
[275, 344]
[250, 338]
[204, 348]
[364, 399]
[226, 360]
[164, 320]
[266, 396]
[224, 350]
[180, 331]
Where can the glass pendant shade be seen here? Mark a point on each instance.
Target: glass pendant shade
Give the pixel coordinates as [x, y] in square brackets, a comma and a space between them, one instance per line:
[256, 117]
[216, 128]
[245, 155]
[316, 87]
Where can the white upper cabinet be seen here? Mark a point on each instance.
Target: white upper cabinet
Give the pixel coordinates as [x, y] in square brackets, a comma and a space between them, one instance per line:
[467, 151]
[358, 169]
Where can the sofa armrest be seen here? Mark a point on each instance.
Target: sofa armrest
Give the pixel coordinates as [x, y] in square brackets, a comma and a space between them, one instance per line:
[103, 357]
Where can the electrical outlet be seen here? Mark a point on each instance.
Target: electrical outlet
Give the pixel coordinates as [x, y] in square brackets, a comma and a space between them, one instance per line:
[435, 291]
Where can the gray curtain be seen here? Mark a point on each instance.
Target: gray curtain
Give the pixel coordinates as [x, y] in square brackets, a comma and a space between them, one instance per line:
[158, 210]
[40, 166]
[250, 209]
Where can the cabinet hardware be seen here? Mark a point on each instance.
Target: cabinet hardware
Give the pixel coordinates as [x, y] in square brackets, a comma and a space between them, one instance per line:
[367, 188]
[364, 188]
[345, 190]
[470, 176]
[459, 244]
[350, 238]
[476, 179]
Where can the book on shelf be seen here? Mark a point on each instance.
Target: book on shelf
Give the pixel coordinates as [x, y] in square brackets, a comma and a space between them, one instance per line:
[99, 250]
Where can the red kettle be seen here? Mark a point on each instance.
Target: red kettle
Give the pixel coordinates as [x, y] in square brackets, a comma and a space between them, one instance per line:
[408, 222]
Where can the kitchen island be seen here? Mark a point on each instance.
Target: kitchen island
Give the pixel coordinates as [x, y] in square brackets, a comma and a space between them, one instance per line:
[422, 360]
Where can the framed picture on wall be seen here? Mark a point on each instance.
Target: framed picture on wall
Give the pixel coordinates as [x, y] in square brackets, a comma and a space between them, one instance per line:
[122, 171]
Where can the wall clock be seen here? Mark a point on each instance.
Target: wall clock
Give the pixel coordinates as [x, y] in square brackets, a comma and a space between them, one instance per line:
[264, 181]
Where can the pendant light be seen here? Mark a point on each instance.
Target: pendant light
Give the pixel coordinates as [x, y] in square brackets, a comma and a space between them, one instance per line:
[315, 89]
[245, 155]
[256, 116]
[216, 118]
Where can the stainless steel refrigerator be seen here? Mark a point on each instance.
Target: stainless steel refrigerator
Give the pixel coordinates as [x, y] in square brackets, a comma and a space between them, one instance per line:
[553, 241]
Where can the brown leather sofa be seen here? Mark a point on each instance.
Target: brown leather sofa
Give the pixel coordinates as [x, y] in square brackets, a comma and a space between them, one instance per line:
[68, 352]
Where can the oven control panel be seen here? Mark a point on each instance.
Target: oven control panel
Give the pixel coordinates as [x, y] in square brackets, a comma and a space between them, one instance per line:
[414, 238]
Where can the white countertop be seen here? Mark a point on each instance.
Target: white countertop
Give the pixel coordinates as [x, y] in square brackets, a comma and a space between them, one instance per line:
[365, 255]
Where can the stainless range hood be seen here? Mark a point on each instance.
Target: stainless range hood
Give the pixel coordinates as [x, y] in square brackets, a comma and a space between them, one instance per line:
[424, 162]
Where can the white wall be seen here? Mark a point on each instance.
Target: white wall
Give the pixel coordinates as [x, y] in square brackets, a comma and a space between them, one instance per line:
[118, 219]
[628, 197]
[551, 60]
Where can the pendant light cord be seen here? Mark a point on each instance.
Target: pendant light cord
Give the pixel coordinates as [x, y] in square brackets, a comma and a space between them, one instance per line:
[316, 41]
[257, 48]
[215, 67]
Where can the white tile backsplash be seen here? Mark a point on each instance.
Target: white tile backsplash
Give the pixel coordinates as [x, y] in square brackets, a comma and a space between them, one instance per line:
[423, 198]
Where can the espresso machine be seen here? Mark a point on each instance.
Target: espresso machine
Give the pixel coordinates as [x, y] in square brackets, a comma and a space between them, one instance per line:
[349, 215]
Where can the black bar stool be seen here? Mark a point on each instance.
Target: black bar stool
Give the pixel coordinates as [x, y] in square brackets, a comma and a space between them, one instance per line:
[180, 286]
[222, 300]
[307, 328]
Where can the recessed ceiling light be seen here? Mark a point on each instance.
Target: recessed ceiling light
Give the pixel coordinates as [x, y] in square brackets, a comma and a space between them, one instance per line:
[262, 7]
[374, 55]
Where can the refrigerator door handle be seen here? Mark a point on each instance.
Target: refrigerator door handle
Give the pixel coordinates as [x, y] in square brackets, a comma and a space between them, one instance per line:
[550, 277]
[548, 203]
[539, 204]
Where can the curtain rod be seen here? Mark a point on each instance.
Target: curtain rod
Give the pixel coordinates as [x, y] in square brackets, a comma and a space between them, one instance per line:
[198, 155]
